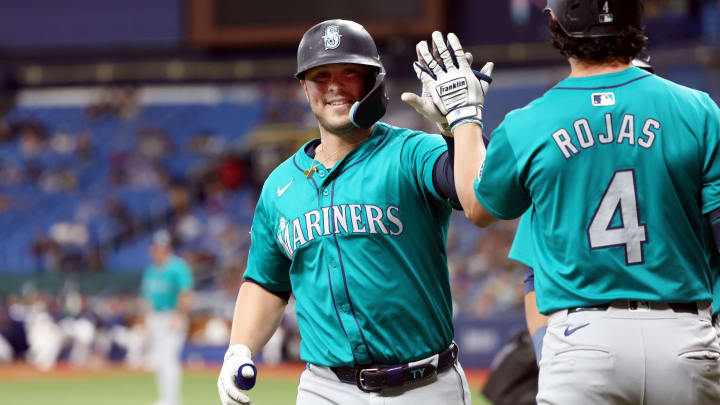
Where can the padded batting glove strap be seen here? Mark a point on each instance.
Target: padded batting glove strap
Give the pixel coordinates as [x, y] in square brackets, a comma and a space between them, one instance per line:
[456, 92]
[237, 367]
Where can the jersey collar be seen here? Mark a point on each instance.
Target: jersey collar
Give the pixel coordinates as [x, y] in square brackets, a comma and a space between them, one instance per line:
[604, 81]
[305, 156]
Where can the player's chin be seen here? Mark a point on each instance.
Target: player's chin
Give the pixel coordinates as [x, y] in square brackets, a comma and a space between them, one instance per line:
[337, 124]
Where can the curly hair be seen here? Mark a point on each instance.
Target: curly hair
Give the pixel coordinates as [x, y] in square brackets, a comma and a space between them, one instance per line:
[623, 47]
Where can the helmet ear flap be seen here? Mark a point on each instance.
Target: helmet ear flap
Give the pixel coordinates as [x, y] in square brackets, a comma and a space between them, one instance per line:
[372, 107]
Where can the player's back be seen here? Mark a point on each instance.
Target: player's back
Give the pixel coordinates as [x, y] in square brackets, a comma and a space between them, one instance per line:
[620, 171]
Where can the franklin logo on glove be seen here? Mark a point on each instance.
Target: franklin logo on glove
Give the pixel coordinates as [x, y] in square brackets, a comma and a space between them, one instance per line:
[455, 85]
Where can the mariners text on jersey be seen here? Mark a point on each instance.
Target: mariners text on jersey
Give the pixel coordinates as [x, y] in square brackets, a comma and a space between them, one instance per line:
[346, 218]
[583, 136]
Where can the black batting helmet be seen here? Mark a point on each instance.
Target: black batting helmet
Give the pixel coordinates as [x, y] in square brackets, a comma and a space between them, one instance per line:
[643, 62]
[596, 18]
[343, 41]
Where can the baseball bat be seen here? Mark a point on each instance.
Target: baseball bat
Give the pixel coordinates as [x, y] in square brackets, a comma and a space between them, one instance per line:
[482, 76]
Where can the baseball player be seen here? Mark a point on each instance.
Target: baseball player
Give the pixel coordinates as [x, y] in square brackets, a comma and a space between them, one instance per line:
[354, 225]
[522, 251]
[167, 289]
[618, 168]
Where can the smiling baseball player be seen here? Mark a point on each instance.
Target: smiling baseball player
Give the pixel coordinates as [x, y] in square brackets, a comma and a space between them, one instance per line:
[354, 225]
[618, 167]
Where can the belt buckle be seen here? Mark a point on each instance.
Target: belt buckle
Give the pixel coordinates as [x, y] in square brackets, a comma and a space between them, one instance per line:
[361, 380]
[639, 306]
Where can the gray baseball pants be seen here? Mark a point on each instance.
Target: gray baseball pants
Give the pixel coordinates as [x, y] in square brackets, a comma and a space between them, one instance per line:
[649, 355]
[166, 347]
[320, 386]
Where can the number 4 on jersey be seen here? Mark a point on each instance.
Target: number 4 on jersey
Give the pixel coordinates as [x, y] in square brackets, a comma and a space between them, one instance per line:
[621, 196]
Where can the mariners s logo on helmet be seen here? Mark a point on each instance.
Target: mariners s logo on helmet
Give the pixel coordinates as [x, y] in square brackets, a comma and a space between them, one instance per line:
[332, 37]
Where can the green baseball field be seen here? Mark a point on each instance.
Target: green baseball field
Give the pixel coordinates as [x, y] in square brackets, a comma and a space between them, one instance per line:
[21, 385]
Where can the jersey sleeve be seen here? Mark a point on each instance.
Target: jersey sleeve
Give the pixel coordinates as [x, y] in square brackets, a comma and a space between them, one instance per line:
[498, 186]
[419, 153]
[266, 264]
[711, 164]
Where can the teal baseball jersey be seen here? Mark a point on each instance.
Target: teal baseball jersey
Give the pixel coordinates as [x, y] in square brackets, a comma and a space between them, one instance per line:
[161, 286]
[619, 170]
[522, 246]
[362, 247]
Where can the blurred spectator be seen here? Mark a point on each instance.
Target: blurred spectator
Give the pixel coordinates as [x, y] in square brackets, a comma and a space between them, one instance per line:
[233, 172]
[33, 139]
[47, 253]
[283, 106]
[53, 181]
[11, 172]
[63, 142]
[84, 145]
[116, 102]
[153, 144]
[118, 212]
[206, 143]
[5, 134]
[70, 234]
[44, 336]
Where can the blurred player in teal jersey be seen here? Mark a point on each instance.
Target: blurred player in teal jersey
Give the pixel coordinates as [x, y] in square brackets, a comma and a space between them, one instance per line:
[618, 167]
[167, 289]
[354, 224]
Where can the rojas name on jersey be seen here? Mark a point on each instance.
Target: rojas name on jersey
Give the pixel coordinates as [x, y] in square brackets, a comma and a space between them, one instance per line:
[345, 218]
[582, 136]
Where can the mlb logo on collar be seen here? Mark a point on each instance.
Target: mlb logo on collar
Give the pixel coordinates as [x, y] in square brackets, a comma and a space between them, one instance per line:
[603, 99]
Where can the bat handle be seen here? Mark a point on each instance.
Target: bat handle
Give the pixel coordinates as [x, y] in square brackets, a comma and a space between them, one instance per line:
[246, 383]
[482, 76]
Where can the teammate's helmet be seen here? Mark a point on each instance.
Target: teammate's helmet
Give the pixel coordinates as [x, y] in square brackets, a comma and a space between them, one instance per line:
[343, 41]
[596, 18]
[643, 62]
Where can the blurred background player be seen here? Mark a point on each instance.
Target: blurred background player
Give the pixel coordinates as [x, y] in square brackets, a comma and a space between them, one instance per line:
[355, 225]
[610, 287]
[167, 286]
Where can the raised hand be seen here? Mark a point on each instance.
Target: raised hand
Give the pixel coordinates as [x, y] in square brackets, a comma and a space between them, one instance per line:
[453, 86]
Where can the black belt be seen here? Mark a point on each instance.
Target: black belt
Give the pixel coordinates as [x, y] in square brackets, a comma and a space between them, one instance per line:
[375, 378]
[684, 307]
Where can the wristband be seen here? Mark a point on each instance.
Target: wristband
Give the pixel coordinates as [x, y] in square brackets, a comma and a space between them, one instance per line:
[466, 121]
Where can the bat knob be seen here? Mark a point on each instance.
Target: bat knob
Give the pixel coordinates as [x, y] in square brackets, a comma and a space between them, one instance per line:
[246, 376]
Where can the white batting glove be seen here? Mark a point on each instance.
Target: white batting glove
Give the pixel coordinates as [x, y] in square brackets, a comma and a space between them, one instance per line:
[425, 105]
[456, 92]
[237, 357]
